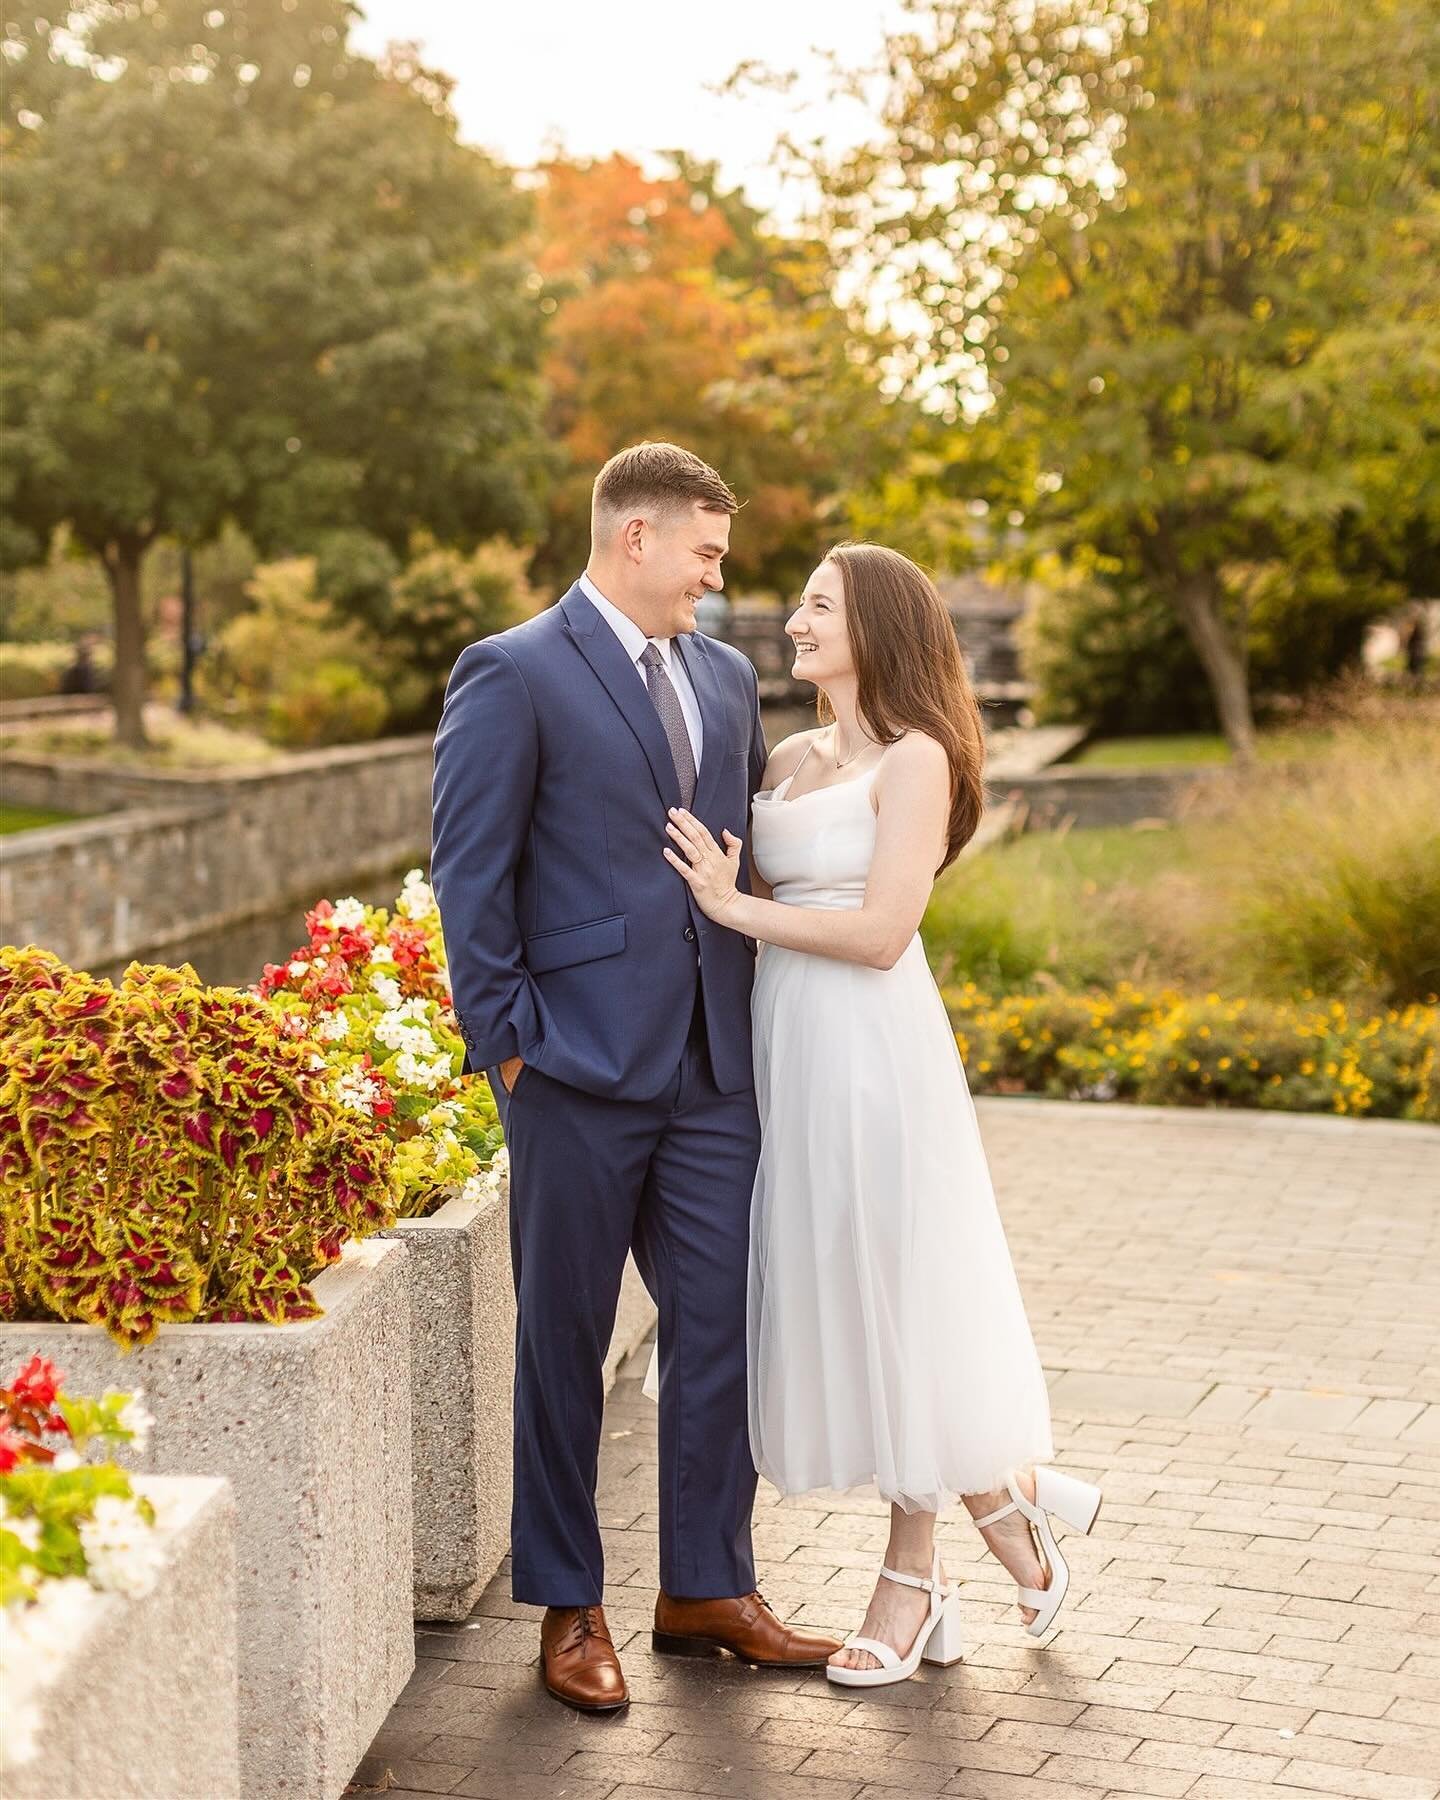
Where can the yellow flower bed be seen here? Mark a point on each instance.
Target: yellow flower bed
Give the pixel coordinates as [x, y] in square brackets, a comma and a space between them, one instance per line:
[1166, 1048]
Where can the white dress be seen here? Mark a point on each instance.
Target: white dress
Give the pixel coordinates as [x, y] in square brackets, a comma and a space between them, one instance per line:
[888, 1343]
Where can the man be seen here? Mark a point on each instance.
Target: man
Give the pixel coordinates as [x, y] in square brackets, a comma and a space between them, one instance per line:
[613, 1021]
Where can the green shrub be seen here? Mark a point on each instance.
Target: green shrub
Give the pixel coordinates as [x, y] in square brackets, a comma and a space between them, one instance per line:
[289, 626]
[333, 703]
[28, 671]
[441, 602]
[31, 671]
[1115, 659]
[1326, 876]
[1115, 656]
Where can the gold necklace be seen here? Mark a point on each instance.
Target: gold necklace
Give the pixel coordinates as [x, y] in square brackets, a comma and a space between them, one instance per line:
[864, 745]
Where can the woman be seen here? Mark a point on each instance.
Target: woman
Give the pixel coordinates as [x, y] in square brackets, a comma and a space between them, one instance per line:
[888, 1342]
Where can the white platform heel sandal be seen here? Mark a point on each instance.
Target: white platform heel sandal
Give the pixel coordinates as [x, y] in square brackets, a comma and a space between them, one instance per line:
[937, 1641]
[1077, 1503]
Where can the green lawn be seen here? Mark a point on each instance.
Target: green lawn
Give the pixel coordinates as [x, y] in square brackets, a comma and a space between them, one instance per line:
[1136, 752]
[26, 818]
[1195, 747]
[1079, 907]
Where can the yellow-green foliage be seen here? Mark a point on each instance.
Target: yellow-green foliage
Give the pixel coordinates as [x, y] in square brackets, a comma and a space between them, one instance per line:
[333, 703]
[288, 633]
[168, 1153]
[28, 671]
[1170, 1049]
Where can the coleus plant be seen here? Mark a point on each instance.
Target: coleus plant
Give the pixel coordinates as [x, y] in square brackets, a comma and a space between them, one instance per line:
[169, 1152]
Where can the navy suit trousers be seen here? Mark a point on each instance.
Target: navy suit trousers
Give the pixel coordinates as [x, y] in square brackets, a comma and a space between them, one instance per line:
[590, 1179]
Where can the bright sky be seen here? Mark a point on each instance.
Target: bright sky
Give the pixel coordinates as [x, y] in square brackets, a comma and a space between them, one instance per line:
[632, 75]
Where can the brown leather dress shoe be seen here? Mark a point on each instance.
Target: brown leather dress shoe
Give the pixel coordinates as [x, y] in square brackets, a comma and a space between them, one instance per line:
[580, 1664]
[744, 1626]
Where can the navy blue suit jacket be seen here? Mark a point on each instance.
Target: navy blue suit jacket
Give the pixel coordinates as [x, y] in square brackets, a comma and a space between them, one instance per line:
[572, 942]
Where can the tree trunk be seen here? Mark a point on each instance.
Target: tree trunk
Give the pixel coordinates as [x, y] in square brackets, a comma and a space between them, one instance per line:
[1222, 656]
[122, 559]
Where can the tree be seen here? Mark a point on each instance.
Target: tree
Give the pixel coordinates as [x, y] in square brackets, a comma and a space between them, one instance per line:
[676, 315]
[252, 276]
[1188, 251]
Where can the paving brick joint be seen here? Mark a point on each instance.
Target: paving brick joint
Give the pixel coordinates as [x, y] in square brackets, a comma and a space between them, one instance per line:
[1237, 1313]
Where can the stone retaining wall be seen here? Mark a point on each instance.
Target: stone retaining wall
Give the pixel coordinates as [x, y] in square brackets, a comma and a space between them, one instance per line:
[1095, 797]
[200, 852]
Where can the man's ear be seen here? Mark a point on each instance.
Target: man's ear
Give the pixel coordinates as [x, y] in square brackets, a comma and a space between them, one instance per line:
[633, 538]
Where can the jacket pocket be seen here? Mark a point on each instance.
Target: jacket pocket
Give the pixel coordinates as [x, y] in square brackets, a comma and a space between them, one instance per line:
[575, 944]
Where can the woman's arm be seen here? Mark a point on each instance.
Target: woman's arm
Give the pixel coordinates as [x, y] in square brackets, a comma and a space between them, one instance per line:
[912, 794]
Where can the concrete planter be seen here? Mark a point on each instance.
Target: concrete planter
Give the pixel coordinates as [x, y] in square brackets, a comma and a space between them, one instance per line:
[462, 1371]
[144, 1703]
[462, 1362]
[311, 1424]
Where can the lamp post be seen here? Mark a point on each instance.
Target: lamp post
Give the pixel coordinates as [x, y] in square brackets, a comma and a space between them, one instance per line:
[189, 643]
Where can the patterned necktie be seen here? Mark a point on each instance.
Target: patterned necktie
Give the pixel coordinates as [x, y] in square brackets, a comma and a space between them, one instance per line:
[667, 703]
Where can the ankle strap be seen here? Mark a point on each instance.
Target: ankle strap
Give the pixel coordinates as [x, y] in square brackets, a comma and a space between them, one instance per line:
[931, 1585]
[1000, 1512]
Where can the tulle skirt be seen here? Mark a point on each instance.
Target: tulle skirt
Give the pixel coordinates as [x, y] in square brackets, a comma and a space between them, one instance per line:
[888, 1344]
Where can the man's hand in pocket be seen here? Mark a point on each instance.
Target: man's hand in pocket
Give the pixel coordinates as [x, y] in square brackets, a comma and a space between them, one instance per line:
[510, 1072]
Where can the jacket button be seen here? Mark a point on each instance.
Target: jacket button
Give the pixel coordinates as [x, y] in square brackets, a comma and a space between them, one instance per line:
[689, 934]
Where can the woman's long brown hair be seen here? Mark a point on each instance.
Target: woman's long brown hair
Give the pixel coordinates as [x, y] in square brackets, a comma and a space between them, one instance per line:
[910, 673]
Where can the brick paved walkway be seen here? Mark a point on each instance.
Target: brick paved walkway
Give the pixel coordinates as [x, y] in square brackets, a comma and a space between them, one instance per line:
[1239, 1315]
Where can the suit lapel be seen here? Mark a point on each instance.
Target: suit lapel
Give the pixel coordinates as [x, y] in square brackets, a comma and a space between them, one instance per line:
[606, 656]
[600, 647]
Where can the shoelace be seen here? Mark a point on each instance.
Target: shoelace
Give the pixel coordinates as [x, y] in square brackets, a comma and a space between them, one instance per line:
[587, 1624]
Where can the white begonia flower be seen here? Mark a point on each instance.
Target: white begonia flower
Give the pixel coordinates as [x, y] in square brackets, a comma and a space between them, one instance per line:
[382, 953]
[299, 970]
[137, 1419]
[417, 899]
[415, 1072]
[440, 1116]
[388, 991]
[24, 1526]
[36, 1639]
[348, 913]
[355, 1089]
[334, 1026]
[396, 1032]
[65, 1460]
[123, 1552]
[19, 1730]
[484, 1184]
[318, 1062]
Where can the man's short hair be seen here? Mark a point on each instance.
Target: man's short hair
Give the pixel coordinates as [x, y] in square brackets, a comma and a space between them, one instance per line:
[657, 476]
